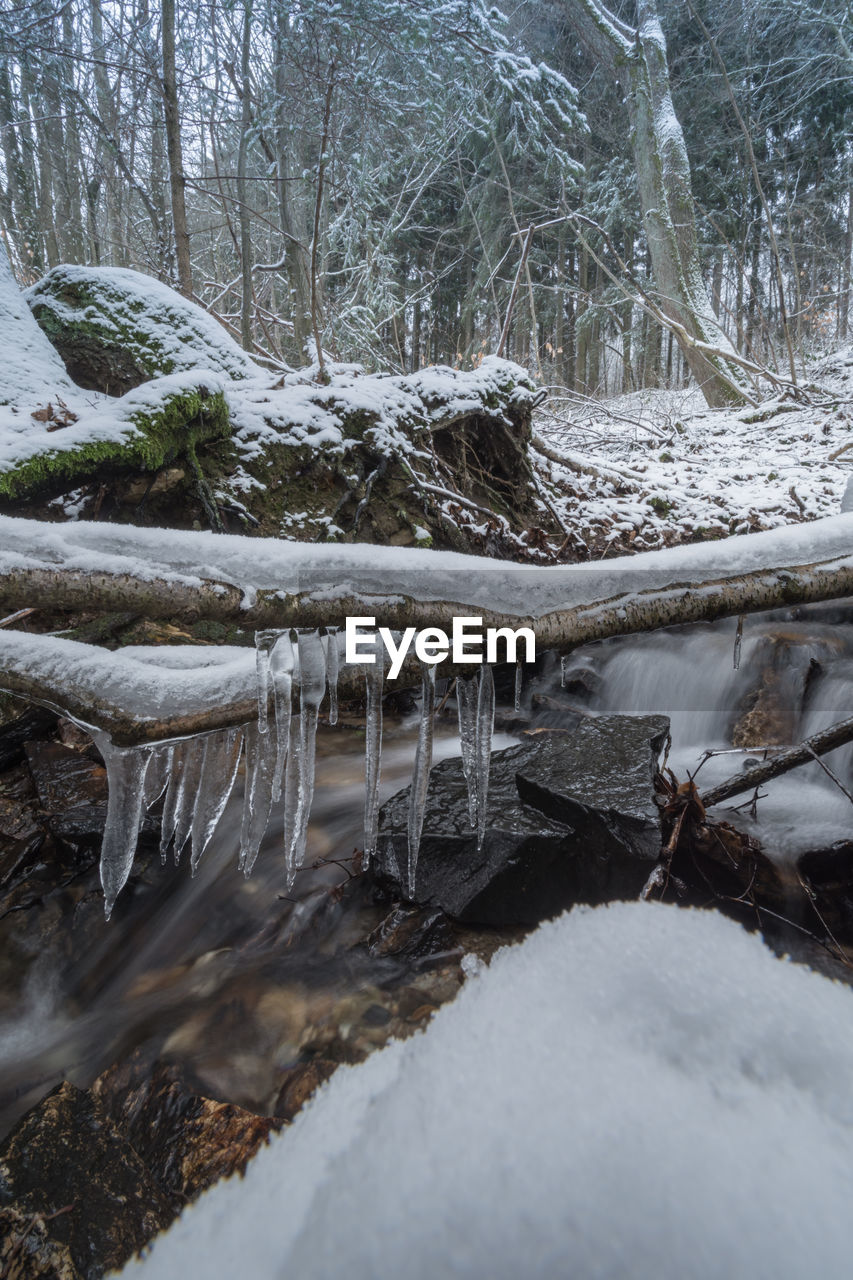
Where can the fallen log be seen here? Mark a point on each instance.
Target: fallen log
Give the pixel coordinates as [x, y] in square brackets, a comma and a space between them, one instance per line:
[263, 583]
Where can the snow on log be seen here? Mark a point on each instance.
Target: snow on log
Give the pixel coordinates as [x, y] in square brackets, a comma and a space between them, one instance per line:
[438, 457]
[59, 447]
[263, 583]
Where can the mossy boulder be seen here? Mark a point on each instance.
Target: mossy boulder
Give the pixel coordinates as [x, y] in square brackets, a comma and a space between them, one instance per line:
[196, 434]
[115, 329]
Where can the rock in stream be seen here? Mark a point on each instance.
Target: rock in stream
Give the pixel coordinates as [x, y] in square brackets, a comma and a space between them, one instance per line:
[571, 818]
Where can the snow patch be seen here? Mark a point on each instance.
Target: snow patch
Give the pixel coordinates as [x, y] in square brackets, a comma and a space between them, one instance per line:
[636, 1091]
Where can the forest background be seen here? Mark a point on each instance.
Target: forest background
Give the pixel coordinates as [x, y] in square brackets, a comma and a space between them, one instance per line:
[364, 175]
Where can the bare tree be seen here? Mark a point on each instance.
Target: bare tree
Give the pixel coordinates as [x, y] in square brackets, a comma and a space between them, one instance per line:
[637, 59]
[174, 151]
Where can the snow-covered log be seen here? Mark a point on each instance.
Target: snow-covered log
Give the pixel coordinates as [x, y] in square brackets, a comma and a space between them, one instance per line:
[439, 457]
[262, 583]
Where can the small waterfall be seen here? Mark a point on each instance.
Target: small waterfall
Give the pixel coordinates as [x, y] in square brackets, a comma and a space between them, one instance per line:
[793, 679]
[688, 676]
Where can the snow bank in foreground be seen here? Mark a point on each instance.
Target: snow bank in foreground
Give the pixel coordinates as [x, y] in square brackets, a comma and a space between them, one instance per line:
[636, 1091]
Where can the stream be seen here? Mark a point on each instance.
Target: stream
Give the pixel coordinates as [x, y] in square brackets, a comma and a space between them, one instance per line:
[238, 981]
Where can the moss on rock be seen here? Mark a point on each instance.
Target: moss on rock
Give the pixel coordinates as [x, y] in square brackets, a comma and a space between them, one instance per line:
[115, 328]
[142, 432]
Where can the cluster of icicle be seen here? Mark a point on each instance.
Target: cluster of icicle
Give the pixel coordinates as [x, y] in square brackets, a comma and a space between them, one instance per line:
[195, 776]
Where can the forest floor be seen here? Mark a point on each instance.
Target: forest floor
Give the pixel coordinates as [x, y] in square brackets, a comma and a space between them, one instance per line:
[672, 470]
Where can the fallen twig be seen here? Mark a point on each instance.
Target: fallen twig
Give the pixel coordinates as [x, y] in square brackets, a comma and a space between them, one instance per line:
[827, 740]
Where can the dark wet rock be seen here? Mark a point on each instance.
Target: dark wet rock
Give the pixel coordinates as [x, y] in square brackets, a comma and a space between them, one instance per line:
[376, 1015]
[413, 933]
[87, 1178]
[788, 662]
[31, 724]
[19, 818]
[16, 856]
[81, 822]
[67, 1164]
[64, 778]
[599, 780]
[71, 788]
[827, 875]
[571, 818]
[555, 712]
[28, 1253]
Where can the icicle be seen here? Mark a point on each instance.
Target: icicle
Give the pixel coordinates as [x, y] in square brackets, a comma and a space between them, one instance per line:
[420, 774]
[174, 791]
[158, 774]
[126, 769]
[312, 686]
[374, 677]
[264, 642]
[485, 728]
[518, 686]
[191, 768]
[564, 666]
[281, 671]
[738, 642]
[466, 705]
[218, 774]
[257, 796]
[291, 790]
[332, 670]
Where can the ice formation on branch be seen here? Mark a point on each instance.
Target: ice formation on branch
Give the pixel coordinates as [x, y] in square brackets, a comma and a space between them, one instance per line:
[196, 776]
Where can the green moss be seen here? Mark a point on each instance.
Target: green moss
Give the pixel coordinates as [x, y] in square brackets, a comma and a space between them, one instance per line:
[151, 438]
[660, 506]
[221, 633]
[115, 328]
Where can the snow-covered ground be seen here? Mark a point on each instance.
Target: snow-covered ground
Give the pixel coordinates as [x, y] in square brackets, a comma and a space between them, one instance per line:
[636, 1091]
[693, 472]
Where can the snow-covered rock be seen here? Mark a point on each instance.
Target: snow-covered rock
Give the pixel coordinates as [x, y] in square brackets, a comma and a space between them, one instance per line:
[636, 1091]
[116, 328]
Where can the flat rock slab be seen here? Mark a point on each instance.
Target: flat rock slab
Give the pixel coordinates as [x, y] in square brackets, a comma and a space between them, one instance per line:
[598, 779]
[571, 819]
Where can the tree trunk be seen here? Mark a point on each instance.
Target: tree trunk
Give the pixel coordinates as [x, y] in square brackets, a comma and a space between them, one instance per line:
[638, 60]
[106, 111]
[242, 163]
[294, 255]
[20, 214]
[844, 301]
[581, 329]
[177, 178]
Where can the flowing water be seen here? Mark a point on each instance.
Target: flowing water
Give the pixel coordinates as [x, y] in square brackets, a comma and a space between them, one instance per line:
[798, 674]
[229, 975]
